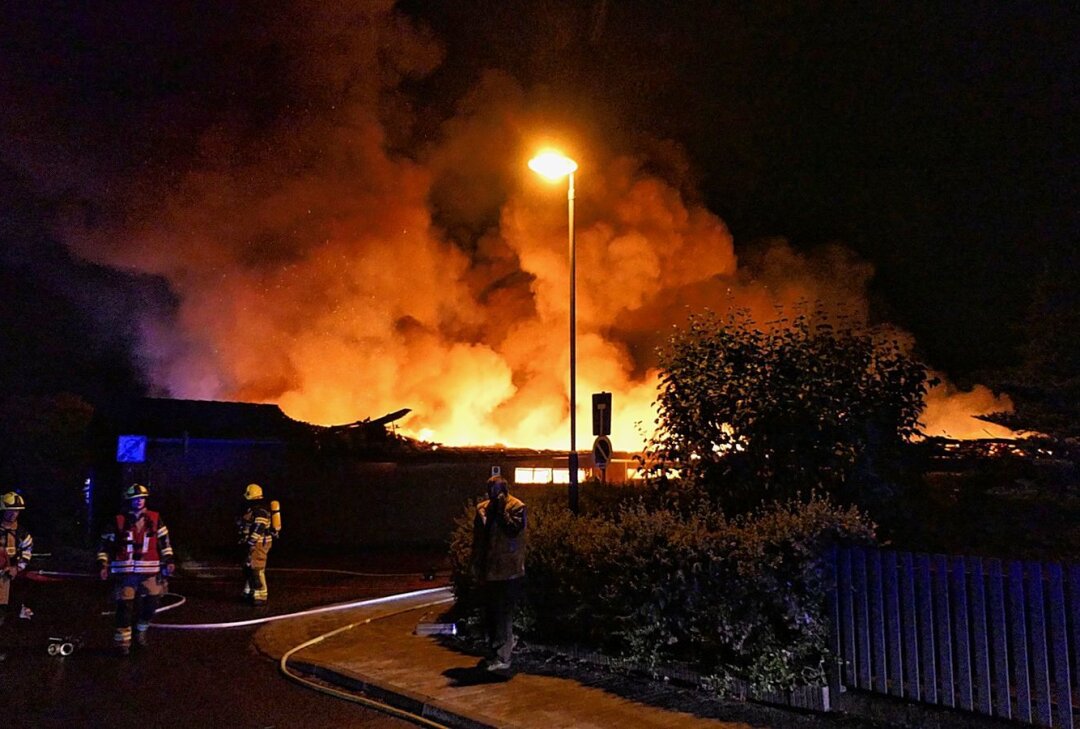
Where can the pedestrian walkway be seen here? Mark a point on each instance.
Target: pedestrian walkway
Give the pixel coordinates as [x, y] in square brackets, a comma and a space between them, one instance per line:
[384, 658]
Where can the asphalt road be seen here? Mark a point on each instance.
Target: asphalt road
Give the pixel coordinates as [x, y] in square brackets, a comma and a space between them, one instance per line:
[211, 678]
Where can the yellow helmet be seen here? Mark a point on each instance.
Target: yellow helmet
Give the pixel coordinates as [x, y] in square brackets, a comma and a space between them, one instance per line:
[12, 501]
[253, 492]
[136, 491]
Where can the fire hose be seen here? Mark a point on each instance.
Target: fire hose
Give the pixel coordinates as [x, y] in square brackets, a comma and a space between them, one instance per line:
[283, 663]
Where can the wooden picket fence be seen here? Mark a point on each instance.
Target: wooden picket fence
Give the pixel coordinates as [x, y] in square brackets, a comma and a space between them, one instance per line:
[984, 635]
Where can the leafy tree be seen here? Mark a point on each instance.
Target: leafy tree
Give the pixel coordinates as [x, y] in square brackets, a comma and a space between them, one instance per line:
[811, 403]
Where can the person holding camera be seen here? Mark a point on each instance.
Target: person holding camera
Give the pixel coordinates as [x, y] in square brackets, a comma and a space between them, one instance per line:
[499, 560]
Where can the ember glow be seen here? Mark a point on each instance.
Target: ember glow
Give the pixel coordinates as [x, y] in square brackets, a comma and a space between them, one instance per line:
[317, 265]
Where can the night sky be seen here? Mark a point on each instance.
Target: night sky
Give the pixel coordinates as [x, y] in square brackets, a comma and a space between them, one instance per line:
[936, 142]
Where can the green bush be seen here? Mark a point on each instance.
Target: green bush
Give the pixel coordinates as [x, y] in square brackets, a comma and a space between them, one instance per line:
[736, 598]
[754, 412]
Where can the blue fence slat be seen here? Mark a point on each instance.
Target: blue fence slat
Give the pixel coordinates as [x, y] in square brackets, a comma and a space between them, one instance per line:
[912, 687]
[1040, 660]
[892, 623]
[999, 632]
[980, 633]
[1074, 621]
[847, 615]
[1059, 647]
[961, 643]
[1018, 641]
[926, 628]
[862, 619]
[880, 677]
[832, 614]
[943, 629]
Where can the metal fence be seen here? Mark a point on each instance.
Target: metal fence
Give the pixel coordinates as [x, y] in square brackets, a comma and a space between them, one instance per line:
[995, 637]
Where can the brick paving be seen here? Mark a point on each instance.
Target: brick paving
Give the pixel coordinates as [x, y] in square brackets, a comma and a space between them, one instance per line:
[386, 659]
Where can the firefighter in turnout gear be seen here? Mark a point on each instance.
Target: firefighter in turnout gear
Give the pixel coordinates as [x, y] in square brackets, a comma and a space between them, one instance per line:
[257, 525]
[135, 549]
[16, 546]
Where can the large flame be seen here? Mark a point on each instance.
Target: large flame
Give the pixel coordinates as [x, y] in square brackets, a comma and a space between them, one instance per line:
[317, 267]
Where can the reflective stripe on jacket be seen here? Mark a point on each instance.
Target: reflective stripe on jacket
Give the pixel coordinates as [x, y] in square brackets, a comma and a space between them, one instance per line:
[18, 545]
[136, 544]
[254, 526]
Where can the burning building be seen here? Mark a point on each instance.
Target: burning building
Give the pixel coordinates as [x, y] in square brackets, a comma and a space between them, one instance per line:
[338, 255]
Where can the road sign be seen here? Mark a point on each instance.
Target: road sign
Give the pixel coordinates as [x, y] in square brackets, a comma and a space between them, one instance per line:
[601, 413]
[131, 449]
[601, 451]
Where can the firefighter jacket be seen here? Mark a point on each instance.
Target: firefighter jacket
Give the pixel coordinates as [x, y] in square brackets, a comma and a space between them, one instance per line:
[499, 539]
[16, 547]
[135, 544]
[254, 527]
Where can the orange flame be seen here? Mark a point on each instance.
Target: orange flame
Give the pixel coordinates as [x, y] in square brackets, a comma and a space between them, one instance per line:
[320, 271]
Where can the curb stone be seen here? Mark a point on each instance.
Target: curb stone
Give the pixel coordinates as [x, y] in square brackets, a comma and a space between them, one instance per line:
[399, 698]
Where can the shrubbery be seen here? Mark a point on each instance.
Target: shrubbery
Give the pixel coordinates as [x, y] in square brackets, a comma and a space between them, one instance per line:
[754, 412]
[736, 598]
[753, 421]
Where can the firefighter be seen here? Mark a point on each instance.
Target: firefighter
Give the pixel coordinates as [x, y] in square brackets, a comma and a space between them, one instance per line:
[16, 546]
[135, 549]
[257, 525]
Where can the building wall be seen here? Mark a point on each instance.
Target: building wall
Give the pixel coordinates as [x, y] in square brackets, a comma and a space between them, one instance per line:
[328, 502]
[198, 485]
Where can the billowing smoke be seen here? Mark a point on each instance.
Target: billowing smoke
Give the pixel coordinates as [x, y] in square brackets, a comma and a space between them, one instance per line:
[333, 260]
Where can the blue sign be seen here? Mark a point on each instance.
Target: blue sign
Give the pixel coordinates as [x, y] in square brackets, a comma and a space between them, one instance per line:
[131, 449]
[601, 452]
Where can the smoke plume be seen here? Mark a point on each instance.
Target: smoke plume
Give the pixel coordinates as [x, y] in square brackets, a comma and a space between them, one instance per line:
[331, 251]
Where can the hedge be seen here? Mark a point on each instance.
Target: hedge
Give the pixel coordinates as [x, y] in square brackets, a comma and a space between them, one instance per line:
[739, 598]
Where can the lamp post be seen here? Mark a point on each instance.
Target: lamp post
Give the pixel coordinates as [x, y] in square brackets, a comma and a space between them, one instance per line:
[554, 166]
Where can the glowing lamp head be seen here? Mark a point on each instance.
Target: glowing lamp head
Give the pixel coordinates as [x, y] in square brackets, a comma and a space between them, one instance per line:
[552, 165]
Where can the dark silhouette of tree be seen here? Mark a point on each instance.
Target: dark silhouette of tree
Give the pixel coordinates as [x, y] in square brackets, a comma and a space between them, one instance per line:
[754, 414]
[1045, 387]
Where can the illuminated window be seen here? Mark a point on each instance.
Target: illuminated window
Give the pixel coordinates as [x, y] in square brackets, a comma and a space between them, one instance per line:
[547, 475]
[562, 475]
[532, 475]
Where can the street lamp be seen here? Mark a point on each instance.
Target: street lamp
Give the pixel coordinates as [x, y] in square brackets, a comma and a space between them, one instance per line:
[554, 166]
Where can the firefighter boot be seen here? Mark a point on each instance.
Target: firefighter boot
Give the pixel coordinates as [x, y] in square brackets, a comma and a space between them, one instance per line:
[146, 613]
[122, 641]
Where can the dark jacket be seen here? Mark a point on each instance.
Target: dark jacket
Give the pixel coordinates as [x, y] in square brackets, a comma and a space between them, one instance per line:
[254, 525]
[16, 547]
[499, 539]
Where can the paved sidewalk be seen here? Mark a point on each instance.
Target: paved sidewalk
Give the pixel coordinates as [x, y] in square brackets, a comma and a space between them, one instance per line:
[387, 661]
